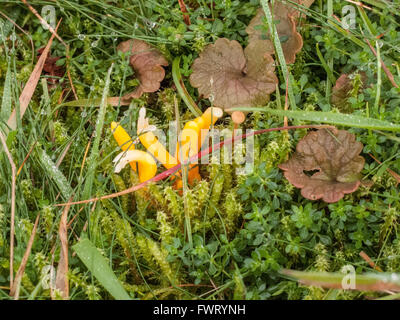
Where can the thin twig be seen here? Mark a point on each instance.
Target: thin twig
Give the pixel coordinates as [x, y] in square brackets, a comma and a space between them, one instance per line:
[369, 260]
[44, 22]
[394, 174]
[54, 32]
[387, 71]
[18, 277]
[63, 154]
[285, 119]
[26, 158]
[359, 4]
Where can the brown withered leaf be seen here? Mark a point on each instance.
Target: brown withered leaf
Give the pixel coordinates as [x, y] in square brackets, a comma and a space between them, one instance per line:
[62, 270]
[147, 62]
[343, 88]
[291, 40]
[14, 290]
[306, 3]
[232, 77]
[51, 68]
[285, 15]
[30, 86]
[335, 156]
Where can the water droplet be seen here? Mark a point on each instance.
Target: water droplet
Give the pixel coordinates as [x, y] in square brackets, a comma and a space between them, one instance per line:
[91, 88]
[211, 98]
[150, 24]
[83, 114]
[81, 36]
[395, 277]
[94, 43]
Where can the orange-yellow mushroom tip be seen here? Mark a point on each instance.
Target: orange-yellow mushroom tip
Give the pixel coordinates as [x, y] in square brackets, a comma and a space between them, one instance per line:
[178, 184]
[146, 163]
[114, 125]
[147, 166]
[238, 117]
[123, 139]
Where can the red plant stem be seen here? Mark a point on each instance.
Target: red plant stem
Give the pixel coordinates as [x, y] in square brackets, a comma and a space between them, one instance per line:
[193, 159]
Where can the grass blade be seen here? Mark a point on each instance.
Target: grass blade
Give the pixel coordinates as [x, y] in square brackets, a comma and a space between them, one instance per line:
[364, 282]
[328, 70]
[6, 101]
[279, 52]
[58, 177]
[176, 75]
[339, 119]
[94, 155]
[100, 269]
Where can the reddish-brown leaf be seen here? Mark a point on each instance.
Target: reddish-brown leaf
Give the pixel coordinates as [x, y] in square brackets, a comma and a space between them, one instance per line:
[51, 69]
[334, 155]
[342, 89]
[185, 12]
[147, 63]
[231, 77]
